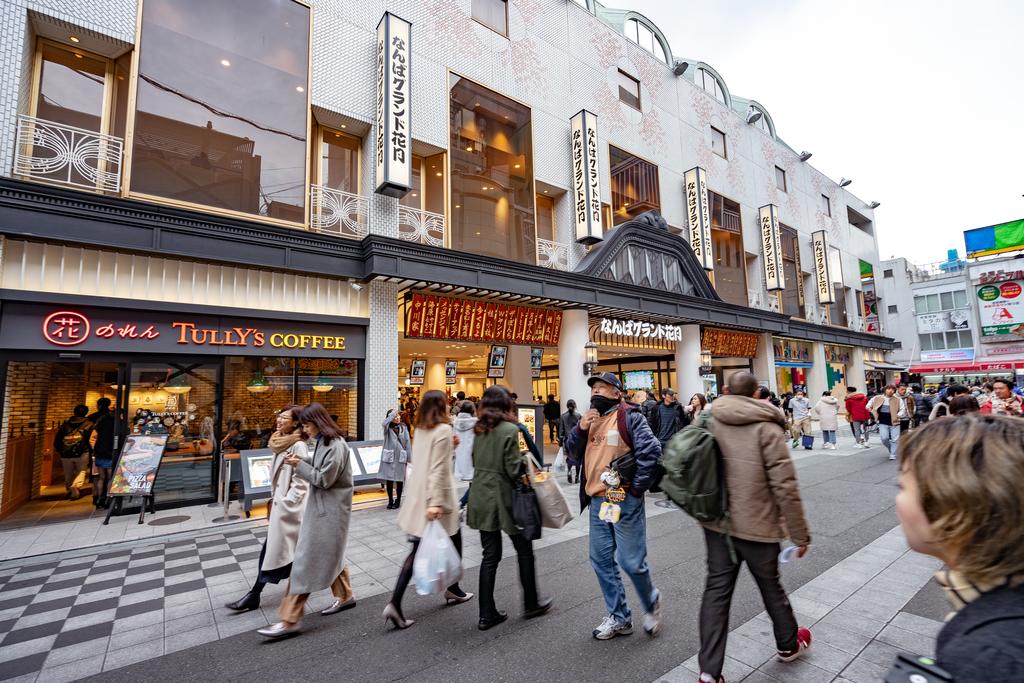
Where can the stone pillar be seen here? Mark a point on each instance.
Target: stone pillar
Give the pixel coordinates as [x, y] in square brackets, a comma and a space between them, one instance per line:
[688, 378]
[856, 372]
[435, 375]
[817, 374]
[572, 383]
[380, 390]
[518, 378]
[764, 362]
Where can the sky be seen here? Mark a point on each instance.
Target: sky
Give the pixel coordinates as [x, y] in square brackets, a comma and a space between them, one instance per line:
[920, 103]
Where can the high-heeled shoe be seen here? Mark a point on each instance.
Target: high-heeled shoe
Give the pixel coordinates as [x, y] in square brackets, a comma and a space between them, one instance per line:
[392, 614]
[453, 599]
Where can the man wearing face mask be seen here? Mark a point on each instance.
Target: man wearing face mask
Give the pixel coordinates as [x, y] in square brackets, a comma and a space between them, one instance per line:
[617, 453]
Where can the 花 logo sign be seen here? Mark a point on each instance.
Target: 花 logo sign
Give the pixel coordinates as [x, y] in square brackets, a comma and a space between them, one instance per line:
[66, 328]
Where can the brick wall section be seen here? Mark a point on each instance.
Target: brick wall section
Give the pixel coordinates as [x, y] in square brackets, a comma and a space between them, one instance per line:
[25, 408]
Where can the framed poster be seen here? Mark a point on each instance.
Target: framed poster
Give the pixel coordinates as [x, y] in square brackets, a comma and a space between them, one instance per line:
[138, 465]
[528, 417]
[496, 362]
[451, 369]
[257, 468]
[417, 371]
[536, 359]
[370, 455]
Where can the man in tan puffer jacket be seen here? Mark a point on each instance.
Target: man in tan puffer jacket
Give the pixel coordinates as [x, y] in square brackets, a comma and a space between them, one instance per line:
[764, 509]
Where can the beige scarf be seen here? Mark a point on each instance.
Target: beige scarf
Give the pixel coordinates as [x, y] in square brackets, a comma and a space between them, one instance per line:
[281, 442]
[960, 591]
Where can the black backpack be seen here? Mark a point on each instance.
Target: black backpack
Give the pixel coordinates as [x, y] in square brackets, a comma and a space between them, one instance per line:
[75, 442]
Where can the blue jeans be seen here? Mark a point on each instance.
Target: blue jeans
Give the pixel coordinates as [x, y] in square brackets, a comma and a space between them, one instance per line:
[828, 435]
[889, 434]
[622, 544]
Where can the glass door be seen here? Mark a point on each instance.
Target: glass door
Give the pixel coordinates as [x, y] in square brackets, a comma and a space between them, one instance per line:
[180, 399]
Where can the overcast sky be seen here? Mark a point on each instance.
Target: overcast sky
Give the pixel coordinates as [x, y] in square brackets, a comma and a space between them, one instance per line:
[920, 102]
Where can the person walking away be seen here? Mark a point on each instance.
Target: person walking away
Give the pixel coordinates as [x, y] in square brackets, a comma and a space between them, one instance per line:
[907, 408]
[497, 465]
[941, 406]
[570, 418]
[71, 442]
[961, 500]
[963, 404]
[1002, 400]
[922, 406]
[619, 454]
[667, 418]
[288, 495]
[320, 551]
[394, 457]
[856, 405]
[102, 450]
[885, 408]
[431, 496]
[460, 396]
[463, 426]
[801, 409]
[552, 411]
[764, 507]
[827, 411]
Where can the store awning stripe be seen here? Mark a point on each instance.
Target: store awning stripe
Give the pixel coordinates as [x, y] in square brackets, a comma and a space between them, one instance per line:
[885, 366]
[958, 368]
[792, 364]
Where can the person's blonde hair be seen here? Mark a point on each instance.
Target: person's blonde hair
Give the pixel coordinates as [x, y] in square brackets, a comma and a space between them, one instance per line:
[970, 472]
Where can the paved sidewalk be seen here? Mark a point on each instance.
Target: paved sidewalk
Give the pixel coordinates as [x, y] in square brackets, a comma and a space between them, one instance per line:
[855, 614]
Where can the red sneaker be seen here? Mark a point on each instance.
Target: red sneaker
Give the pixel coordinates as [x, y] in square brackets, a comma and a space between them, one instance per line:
[803, 641]
[706, 678]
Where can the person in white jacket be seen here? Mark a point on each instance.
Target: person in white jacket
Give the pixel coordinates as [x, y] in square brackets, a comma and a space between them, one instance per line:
[827, 412]
[465, 421]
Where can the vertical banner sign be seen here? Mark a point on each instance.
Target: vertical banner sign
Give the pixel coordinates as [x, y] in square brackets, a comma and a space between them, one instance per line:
[822, 276]
[799, 273]
[771, 248]
[451, 369]
[586, 179]
[699, 216]
[394, 129]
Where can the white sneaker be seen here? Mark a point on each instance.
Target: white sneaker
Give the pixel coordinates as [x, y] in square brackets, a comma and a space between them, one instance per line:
[652, 619]
[611, 627]
[892, 457]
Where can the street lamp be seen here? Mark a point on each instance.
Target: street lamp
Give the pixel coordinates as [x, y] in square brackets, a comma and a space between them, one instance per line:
[705, 362]
[590, 365]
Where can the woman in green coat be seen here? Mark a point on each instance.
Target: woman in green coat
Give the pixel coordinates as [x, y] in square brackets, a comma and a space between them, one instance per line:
[497, 463]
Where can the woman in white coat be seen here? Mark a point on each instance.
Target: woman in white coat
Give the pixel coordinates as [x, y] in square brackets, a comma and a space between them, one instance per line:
[287, 504]
[430, 496]
[827, 410]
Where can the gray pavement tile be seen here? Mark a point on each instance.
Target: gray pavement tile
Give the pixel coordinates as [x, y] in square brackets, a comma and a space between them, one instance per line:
[754, 677]
[176, 626]
[880, 653]
[72, 671]
[46, 606]
[867, 610]
[141, 607]
[191, 638]
[142, 596]
[250, 621]
[32, 633]
[139, 652]
[862, 671]
[808, 607]
[78, 651]
[839, 638]
[184, 593]
[751, 652]
[827, 657]
[799, 671]
[26, 647]
[908, 640]
[915, 624]
[136, 635]
[80, 635]
[23, 668]
[89, 618]
[189, 608]
[27, 620]
[138, 621]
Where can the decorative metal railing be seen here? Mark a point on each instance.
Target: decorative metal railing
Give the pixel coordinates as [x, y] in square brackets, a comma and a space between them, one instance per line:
[554, 255]
[337, 212]
[70, 156]
[425, 227]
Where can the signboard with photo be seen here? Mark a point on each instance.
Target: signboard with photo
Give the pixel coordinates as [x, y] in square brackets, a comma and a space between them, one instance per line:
[496, 362]
[417, 371]
[1001, 309]
[257, 471]
[536, 361]
[451, 370]
[138, 465]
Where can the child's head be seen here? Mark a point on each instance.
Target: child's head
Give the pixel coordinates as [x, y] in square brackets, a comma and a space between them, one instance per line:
[961, 493]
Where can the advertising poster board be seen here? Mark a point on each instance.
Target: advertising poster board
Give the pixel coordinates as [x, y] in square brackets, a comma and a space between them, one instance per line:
[451, 370]
[1001, 309]
[138, 465]
[536, 360]
[417, 371]
[257, 468]
[496, 362]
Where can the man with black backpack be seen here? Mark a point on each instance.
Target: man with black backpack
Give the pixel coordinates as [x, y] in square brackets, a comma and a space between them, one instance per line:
[618, 456]
[763, 504]
[72, 445]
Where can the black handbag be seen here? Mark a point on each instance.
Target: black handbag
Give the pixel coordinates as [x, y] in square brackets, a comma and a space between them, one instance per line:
[526, 511]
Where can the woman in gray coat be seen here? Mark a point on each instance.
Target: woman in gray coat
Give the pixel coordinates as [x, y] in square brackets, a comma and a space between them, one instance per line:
[394, 457]
[320, 552]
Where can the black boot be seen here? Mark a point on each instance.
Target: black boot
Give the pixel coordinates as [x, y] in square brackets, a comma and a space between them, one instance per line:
[249, 601]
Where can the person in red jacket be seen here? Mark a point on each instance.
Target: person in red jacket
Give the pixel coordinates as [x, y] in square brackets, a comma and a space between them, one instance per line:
[858, 415]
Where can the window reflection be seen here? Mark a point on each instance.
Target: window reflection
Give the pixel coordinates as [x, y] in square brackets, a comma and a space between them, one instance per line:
[339, 162]
[491, 174]
[791, 294]
[727, 248]
[71, 88]
[221, 110]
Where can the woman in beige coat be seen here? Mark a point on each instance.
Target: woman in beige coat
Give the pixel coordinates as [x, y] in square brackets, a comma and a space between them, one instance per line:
[323, 535]
[429, 495]
[287, 503]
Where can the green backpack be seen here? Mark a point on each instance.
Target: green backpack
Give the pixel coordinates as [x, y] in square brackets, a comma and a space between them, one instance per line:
[694, 474]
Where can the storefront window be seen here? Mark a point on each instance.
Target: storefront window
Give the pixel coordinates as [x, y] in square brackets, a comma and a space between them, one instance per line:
[427, 191]
[339, 161]
[221, 111]
[634, 186]
[491, 174]
[334, 383]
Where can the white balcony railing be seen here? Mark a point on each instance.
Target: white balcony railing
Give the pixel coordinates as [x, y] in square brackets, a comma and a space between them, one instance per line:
[337, 212]
[67, 155]
[554, 255]
[425, 227]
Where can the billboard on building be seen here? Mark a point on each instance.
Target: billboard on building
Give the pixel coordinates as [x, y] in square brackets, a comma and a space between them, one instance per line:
[1001, 311]
[995, 239]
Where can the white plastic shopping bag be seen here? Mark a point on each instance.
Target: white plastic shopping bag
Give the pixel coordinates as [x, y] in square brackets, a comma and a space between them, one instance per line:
[559, 465]
[437, 565]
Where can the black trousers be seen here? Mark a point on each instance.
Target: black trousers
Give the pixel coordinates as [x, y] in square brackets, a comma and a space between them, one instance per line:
[552, 429]
[405, 574]
[919, 420]
[763, 562]
[491, 546]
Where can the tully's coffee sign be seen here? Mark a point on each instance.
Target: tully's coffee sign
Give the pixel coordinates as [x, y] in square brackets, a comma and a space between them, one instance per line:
[71, 329]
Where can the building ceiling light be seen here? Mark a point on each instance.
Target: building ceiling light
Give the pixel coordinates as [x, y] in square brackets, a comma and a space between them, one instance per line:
[843, 182]
[299, 88]
[469, 148]
[458, 206]
[754, 115]
[805, 155]
[438, 174]
[344, 126]
[413, 194]
[74, 39]
[225, 62]
[680, 67]
[518, 165]
[874, 205]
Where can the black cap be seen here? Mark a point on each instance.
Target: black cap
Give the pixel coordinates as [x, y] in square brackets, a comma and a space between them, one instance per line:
[607, 378]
